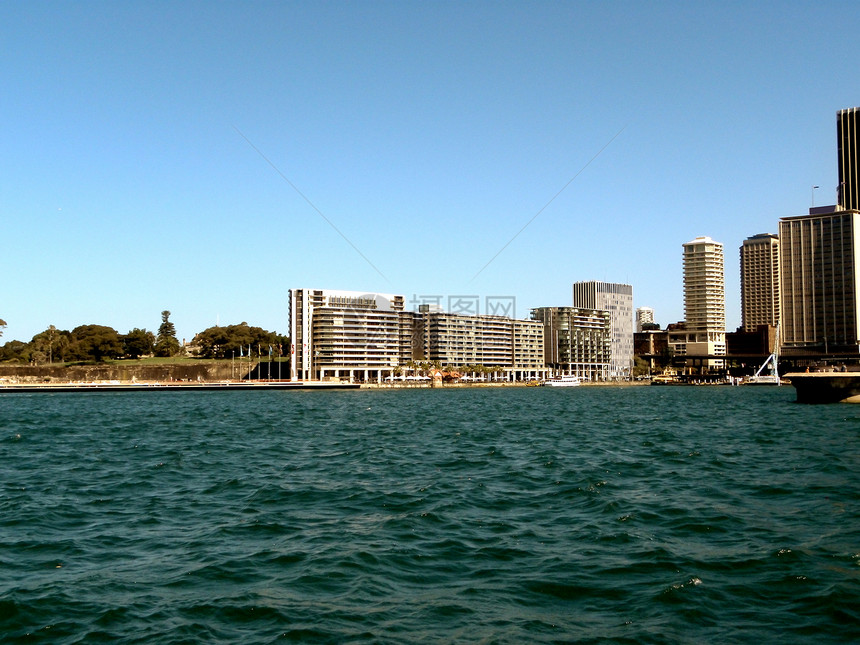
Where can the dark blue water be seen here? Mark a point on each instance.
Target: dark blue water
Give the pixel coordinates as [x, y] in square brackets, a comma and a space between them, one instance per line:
[516, 515]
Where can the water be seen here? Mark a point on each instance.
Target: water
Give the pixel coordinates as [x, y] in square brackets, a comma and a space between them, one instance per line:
[516, 515]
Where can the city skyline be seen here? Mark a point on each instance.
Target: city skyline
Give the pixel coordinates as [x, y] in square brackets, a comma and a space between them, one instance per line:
[199, 159]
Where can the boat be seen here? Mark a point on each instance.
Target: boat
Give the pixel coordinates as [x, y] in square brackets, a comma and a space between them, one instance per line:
[568, 380]
[665, 379]
[770, 364]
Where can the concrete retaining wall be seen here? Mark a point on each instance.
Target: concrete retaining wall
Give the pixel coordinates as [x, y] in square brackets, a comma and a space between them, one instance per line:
[220, 371]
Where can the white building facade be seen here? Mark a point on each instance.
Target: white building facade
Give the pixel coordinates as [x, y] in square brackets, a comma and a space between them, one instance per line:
[644, 316]
[369, 337]
[514, 347]
[704, 332]
[347, 335]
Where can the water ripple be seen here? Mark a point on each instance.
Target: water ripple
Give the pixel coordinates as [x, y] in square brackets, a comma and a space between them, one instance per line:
[624, 515]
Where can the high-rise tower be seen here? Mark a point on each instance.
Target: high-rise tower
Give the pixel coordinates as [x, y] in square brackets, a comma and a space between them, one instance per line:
[820, 282]
[760, 281]
[847, 140]
[704, 331]
[704, 286]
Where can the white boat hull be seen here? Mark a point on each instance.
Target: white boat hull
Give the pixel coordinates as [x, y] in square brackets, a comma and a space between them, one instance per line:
[763, 380]
[563, 381]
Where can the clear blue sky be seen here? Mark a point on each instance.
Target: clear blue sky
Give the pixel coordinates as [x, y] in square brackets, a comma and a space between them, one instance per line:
[427, 133]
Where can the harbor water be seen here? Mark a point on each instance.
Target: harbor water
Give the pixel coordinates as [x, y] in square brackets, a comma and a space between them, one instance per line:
[473, 515]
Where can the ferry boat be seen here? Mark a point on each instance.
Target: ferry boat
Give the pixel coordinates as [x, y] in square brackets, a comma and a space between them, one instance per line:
[563, 381]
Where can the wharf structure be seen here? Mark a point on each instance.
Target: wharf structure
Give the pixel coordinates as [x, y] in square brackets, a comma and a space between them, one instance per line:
[704, 331]
[617, 299]
[577, 341]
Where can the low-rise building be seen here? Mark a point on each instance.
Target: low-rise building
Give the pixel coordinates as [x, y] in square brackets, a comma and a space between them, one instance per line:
[514, 347]
[652, 346]
[360, 336]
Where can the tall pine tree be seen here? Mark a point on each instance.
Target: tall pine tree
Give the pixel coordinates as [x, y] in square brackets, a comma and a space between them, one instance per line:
[166, 344]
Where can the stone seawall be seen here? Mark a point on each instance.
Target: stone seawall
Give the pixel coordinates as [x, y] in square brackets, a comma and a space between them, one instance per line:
[208, 372]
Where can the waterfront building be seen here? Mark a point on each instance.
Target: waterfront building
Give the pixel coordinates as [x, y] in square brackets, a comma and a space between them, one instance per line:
[348, 334]
[652, 346]
[759, 257]
[528, 350]
[644, 316]
[617, 299]
[453, 340]
[577, 341]
[704, 331]
[847, 143]
[820, 270]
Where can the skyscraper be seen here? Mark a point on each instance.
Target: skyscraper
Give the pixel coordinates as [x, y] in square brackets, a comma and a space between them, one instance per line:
[759, 281]
[704, 332]
[820, 267]
[704, 285]
[617, 299]
[847, 140]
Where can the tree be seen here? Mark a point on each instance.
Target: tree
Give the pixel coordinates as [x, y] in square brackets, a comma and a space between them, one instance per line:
[233, 340]
[138, 342]
[49, 345]
[166, 344]
[2, 326]
[640, 366]
[94, 342]
[14, 351]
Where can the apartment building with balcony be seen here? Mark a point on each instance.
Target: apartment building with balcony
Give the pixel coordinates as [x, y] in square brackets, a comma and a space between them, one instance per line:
[704, 331]
[350, 335]
[577, 341]
[617, 299]
[453, 340]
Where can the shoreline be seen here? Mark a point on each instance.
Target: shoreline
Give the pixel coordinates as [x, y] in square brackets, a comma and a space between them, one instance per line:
[7, 387]
[171, 386]
[403, 386]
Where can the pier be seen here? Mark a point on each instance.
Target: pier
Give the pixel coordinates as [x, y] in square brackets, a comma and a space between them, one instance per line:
[826, 387]
[175, 386]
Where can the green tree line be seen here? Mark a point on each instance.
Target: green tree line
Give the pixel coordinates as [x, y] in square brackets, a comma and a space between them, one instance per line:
[97, 343]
